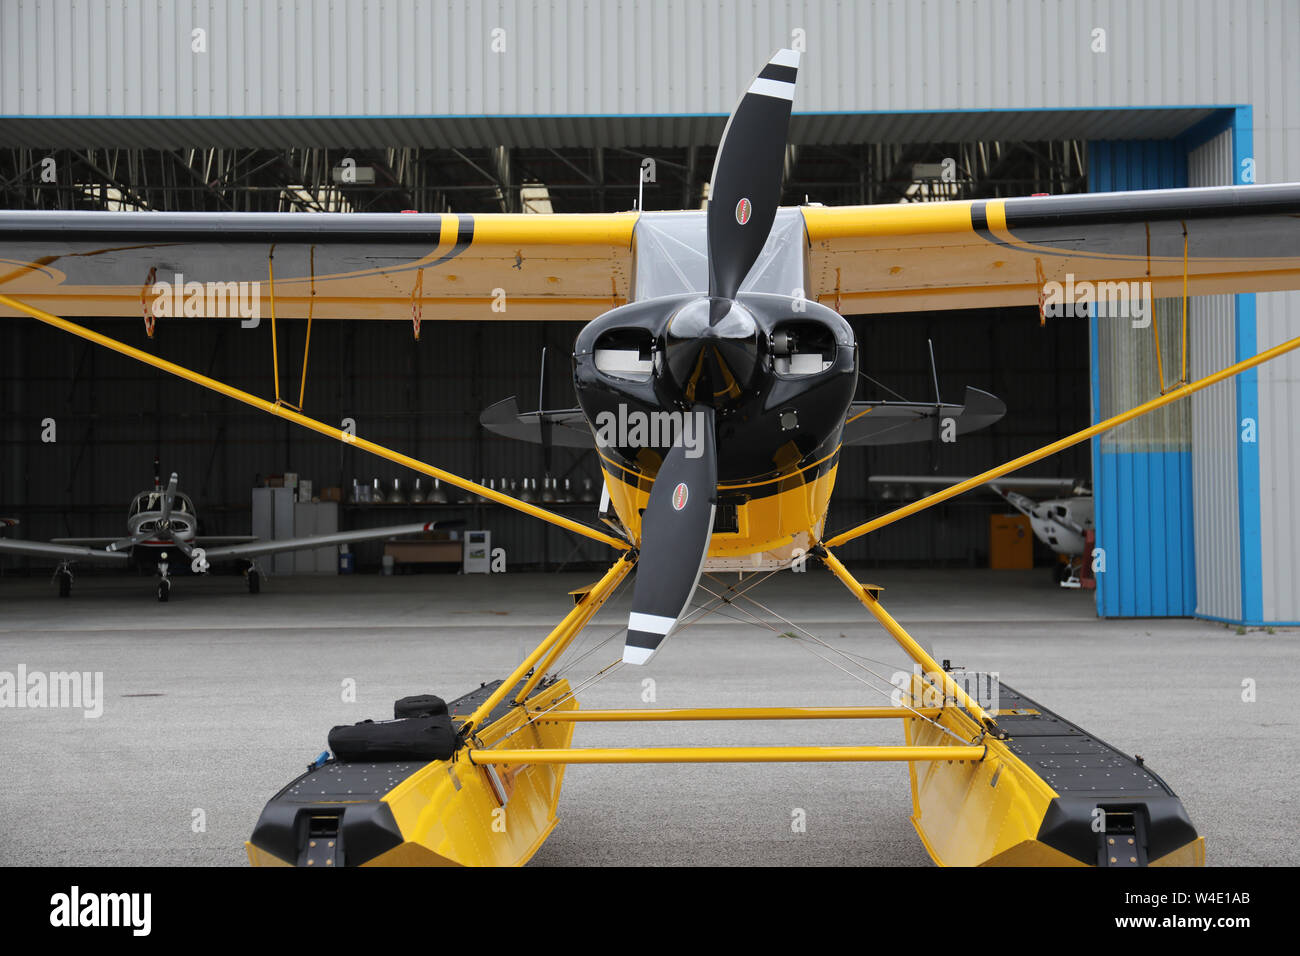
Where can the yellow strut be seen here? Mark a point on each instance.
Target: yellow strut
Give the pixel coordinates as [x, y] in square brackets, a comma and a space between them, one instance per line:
[1182, 391]
[592, 601]
[593, 755]
[548, 662]
[914, 650]
[298, 418]
[738, 713]
[573, 621]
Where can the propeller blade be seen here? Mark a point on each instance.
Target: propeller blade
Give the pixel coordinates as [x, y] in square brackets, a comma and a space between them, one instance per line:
[675, 531]
[745, 188]
[169, 496]
[123, 544]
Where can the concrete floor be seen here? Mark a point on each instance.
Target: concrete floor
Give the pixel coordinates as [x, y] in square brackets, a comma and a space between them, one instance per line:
[218, 698]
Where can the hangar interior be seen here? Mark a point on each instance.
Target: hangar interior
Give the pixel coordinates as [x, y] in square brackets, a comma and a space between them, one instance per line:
[113, 417]
[1172, 547]
[424, 396]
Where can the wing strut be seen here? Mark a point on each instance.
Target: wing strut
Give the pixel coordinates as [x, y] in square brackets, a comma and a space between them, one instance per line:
[1180, 391]
[281, 411]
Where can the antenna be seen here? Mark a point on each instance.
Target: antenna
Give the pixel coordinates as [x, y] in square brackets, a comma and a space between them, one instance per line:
[934, 373]
[543, 425]
[938, 410]
[541, 384]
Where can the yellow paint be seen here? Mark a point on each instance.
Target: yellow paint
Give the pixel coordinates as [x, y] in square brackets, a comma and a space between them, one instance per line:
[995, 211]
[775, 522]
[954, 752]
[892, 219]
[962, 819]
[742, 713]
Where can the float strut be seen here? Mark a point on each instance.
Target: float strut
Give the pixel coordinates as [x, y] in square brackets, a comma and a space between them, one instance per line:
[929, 666]
[573, 622]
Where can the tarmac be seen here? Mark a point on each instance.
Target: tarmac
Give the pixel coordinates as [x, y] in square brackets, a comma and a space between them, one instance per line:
[215, 700]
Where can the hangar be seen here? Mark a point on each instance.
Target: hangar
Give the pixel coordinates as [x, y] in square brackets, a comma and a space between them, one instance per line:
[563, 107]
[256, 111]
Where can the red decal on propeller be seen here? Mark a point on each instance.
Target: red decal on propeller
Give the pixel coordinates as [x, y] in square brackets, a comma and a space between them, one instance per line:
[680, 494]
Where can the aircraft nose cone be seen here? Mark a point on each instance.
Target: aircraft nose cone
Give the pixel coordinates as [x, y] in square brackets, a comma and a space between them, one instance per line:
[711, 350]
[712, 318]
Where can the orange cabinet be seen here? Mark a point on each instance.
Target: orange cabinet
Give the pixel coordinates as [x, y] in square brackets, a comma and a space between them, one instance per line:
[1011, 543]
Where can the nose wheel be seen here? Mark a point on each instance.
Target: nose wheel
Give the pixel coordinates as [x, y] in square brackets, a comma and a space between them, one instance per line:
[63, 576]
[164, 579]
[254, 577]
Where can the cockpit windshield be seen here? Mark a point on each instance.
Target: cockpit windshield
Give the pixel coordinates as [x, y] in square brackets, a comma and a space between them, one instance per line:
[153, 501]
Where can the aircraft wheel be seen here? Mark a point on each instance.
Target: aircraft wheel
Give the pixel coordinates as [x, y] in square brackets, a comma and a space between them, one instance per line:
[1061, 573]
[254, 582]
[164, 589]
[65, 584]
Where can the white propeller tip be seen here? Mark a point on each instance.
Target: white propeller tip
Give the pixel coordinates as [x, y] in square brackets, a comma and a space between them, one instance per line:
[636, 655]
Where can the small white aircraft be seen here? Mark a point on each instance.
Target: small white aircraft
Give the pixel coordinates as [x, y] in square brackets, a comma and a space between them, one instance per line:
[162, 521]
[1060, 523]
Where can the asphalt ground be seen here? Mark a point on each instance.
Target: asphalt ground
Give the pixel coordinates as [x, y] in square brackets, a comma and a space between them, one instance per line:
[216, 699]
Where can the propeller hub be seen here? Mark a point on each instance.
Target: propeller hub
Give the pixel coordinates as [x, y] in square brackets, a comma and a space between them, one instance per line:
[711, 350]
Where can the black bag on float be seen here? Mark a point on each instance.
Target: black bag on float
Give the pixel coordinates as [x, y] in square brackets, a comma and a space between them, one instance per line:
[412, 738]
[421, 705]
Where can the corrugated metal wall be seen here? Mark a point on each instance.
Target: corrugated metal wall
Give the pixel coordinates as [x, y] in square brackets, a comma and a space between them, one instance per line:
[1214, 423]
[1142, 471]
[624, 57]
[1279, 459]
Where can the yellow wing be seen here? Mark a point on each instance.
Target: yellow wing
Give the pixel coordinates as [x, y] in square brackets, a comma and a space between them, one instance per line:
[345, 266]
[1004, 252]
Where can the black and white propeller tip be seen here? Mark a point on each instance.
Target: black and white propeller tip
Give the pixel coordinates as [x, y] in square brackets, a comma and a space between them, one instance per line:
[745, 188]
[675, 531]
[778, 77]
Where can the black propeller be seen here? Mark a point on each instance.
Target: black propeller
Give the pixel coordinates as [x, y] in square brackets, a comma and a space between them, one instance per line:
[745, 190]
[675, 531]
[168, 498]
[711, 351]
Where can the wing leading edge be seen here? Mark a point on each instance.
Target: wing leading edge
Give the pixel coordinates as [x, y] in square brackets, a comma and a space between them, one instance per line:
[1004, 252]
[345, 265]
